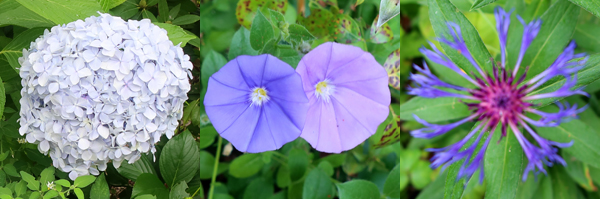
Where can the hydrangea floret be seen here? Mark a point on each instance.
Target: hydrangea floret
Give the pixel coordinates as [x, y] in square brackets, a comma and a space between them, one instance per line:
[101, 89]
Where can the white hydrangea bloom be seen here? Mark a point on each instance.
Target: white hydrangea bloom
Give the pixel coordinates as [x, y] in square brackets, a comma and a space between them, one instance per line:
[101, 89]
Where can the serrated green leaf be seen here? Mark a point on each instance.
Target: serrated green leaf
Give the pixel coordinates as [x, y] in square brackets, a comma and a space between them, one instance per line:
[356, 189]
[246, 165]
[100, 188]
[503, 166]
[13, 13]
[185, 19]
[149, 184]
[317, 185]
[176, 34]
[260, 32]
[14, 49]
[63, 11]
[434, 110]
[132, 171]
[109, 4]
[179, 159]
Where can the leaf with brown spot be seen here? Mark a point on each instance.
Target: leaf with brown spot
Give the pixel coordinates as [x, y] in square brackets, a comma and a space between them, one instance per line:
[246, 9]
[392, 66]
[382, 34]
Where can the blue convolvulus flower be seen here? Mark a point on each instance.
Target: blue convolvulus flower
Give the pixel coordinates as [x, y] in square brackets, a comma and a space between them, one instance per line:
[499, 99]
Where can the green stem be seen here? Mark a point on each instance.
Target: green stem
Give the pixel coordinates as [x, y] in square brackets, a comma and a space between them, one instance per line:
[215, 169]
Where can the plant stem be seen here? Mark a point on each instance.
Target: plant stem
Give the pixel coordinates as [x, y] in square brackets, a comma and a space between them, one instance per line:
[215, 169]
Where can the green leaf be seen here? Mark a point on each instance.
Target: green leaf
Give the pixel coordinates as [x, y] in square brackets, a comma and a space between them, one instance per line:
[558, 26]
[357, 189]
[562, 185]
[246, 11]
[14, 49]
[126, 10]
[434, 110]
[298, 34]
[63, 182]
[2, 103]
[2, 179]
[297, 163]
[503, 166]
[528, 188]
[84, 181]
[79, 193]
[35, 195]
[336, 160]
[13, 13]
[207, 136]
[240, 44]
[149, 15]
[211, 64]
[179, 159]
[592, 6]
[579, 172]
[185, 19]
[317, 185]
[440, 13]
[585, 76]
[31, 182]
[175, 11]
[163, 10]
[260, 32]
[20, 188]
[259, 188]
[109, 4]
[63, 11]
[246, 165]
[584, 137]
[388, 9]
[382, 34]
[479, 4]
[7, 191]
[178, 191]
[434, 190]
[132, 171]
[326, 167]
[50, 194]
[11, 170]
[149, 184]
[420, 174]
[176, 34]
[207, 163]
[100, 188]
[454, 187]
[283, 177]
[390, 187]
[585, 38]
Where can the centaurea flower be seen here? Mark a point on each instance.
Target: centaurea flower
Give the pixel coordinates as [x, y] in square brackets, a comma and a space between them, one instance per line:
[500, 99]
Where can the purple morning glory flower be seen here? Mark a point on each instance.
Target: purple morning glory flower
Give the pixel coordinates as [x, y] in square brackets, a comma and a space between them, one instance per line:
[500, 98]
[348, 95]
[257, 103]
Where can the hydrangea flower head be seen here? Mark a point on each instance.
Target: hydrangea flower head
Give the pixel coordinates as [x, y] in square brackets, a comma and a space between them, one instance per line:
[101, 89]
[500, 98]
[256, 103]
[348, 95]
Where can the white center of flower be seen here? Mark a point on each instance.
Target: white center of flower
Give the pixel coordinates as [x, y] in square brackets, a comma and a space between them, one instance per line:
[259, 96]
[324, 90]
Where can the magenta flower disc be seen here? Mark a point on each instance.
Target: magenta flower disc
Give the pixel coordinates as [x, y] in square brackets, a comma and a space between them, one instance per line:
[256, 103]
[348, 96]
